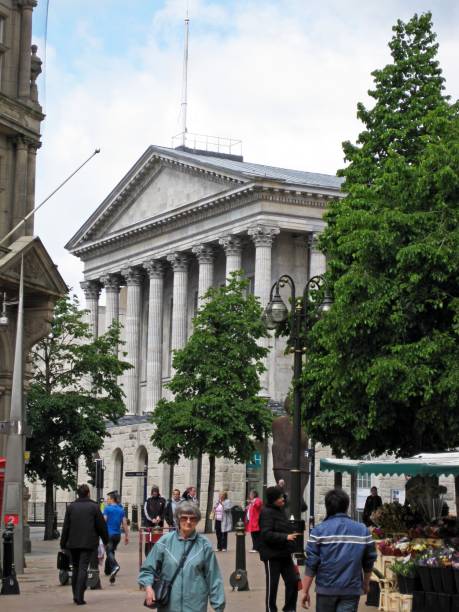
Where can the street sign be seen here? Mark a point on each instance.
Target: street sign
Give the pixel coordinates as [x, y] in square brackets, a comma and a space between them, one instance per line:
[11, 518]
[134, 473]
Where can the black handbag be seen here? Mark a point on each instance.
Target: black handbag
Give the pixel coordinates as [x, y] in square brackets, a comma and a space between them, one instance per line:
[63, 561]
[162, 587]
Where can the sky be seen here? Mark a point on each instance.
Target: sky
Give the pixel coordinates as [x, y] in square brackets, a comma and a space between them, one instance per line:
[284, 76]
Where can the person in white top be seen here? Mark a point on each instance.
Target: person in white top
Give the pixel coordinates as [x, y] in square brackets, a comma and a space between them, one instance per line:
[223, 520]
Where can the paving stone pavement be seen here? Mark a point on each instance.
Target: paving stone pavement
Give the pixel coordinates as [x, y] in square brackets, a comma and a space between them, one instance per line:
[41, 591]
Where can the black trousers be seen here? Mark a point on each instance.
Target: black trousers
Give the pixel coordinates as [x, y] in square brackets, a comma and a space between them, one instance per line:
[80, 563]
[255, 539]
[110, 561]
[222, 536]
[275, 568]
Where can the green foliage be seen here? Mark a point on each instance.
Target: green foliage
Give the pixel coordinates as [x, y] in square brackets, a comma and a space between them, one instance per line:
[74, 392]
[382, 371]
[216, 407]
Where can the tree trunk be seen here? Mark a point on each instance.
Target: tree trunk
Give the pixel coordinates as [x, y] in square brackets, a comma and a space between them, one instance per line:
[456, 488]
[49, 510]
[199, 477]
[210, 494]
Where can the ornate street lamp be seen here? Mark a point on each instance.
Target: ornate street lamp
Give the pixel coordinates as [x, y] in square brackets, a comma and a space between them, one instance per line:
[275, 314]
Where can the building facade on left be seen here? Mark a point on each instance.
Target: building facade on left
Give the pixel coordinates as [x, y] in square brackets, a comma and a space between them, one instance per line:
[20, 120]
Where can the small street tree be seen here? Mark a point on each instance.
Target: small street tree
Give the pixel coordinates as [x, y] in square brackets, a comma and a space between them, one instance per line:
[382, 371]
[217, 409]
[74, 392]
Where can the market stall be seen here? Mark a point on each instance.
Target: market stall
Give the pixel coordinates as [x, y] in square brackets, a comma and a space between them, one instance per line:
[418, 542]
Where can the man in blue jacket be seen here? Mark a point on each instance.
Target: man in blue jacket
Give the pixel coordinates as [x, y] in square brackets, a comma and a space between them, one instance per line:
[339, 554]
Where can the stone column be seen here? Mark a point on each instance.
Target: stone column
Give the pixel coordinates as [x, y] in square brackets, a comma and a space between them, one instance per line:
[205, 256]
[134, 280]
[111, 282]
[233, 249]
[24, 52]
[155, 270]
[30, 199]
[318, 262]
[91, 289]
[263, 237]
[179, 262]
[20, 184]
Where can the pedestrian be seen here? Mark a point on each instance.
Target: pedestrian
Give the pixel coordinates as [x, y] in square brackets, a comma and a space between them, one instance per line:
[171, 507]
[83, 526]
[116, 519]
[198, 580]
[223, 520]
[372, 503]
[252, 518]
[337, 552]
[287, 509]
[154, 508]
[190, 494]
[276, 545]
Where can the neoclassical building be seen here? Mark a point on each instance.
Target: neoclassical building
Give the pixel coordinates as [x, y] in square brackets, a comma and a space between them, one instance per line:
[178, 223]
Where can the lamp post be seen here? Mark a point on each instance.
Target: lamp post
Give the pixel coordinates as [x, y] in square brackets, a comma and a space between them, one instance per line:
[276, 313]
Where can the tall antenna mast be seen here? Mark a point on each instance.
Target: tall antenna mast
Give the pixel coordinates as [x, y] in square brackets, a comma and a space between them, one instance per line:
[185, 80]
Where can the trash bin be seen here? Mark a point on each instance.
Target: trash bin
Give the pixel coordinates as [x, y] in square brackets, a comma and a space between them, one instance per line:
[237, 513]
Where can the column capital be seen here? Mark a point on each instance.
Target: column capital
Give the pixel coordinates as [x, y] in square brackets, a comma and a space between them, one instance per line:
[155, 268]
[263, 235]
[132, 275]
[313, 241]
[204, 253]
[91, 289]
[179, 261]
[111, 282]
[231, 244]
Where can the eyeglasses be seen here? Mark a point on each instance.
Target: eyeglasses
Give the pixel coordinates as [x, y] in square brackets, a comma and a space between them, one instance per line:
[189, 519]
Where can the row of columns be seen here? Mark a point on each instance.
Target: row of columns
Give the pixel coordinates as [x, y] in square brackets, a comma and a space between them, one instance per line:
[132, 277]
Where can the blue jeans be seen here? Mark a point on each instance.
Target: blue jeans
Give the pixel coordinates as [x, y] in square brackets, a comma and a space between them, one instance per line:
[337, 603]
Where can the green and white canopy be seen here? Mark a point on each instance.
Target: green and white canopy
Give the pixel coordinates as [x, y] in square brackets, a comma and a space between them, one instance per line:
[426, 464]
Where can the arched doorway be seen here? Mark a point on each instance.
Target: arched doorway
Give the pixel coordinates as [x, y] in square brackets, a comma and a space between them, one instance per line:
[118, 465]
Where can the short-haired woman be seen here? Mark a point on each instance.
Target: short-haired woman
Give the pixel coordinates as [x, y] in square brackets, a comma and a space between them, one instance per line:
[199, 581]
[223, 520]
[252, 518]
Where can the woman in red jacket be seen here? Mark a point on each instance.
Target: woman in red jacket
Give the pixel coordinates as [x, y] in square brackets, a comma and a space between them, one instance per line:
[252, 515]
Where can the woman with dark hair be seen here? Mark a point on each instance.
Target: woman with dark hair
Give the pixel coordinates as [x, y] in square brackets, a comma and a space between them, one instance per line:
[154, 508]
[276, 545]
[252, 518]
[198, 582]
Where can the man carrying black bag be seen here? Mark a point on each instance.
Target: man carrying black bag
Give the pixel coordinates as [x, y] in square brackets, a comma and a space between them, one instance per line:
[83, 526]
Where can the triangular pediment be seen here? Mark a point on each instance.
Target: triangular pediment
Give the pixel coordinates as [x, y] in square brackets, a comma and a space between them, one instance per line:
[167, 189]
[40, 273]
[160, 182]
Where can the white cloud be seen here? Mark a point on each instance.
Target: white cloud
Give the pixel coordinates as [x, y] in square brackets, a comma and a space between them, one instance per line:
[285, 77]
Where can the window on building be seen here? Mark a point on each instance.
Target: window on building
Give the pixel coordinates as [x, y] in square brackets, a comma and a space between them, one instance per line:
[364, 481]
[2, 30]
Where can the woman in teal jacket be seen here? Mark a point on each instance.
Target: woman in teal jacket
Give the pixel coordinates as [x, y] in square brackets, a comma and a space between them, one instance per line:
[199, 580]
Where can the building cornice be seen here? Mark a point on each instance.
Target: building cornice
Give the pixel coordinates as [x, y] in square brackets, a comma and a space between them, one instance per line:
[205, 209]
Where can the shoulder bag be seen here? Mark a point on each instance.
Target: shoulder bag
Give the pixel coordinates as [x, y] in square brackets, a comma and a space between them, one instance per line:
[162, 587]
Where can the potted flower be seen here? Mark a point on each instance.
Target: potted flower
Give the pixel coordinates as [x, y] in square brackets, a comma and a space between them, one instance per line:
[405, 570]
[424, 573]
[446, 571]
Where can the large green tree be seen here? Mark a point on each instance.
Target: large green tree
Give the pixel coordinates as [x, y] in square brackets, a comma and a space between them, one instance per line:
[74, 392]
[382, 372]
[217, 409]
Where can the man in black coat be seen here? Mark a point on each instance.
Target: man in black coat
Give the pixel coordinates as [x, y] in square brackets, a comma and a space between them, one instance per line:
[276, 546]
[83, 526]
[372, 503]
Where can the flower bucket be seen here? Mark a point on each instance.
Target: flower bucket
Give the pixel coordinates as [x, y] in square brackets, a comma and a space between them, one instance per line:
[435, 573]
[454, 603]
[401, 582]
[431, 602]
[410, 584]
[426, 579]
[419, 601]
[456, 578]
[447, 579]
[444, 602]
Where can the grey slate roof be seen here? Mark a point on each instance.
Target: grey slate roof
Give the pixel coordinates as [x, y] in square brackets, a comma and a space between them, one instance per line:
[295, 177]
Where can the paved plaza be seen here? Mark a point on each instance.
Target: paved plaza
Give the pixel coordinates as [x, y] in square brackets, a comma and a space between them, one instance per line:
[41, 592]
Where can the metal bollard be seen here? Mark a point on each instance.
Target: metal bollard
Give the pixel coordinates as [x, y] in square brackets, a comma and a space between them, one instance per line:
[10, 585]
[135, 518]
[239, 579]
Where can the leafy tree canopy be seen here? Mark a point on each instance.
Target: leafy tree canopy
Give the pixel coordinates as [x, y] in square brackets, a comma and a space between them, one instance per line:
[216, 407]
[74, 392]
[382, 372]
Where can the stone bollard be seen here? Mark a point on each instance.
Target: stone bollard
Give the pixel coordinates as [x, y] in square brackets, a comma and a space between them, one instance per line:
[239, 579]
[10, 585]
[135, 518]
